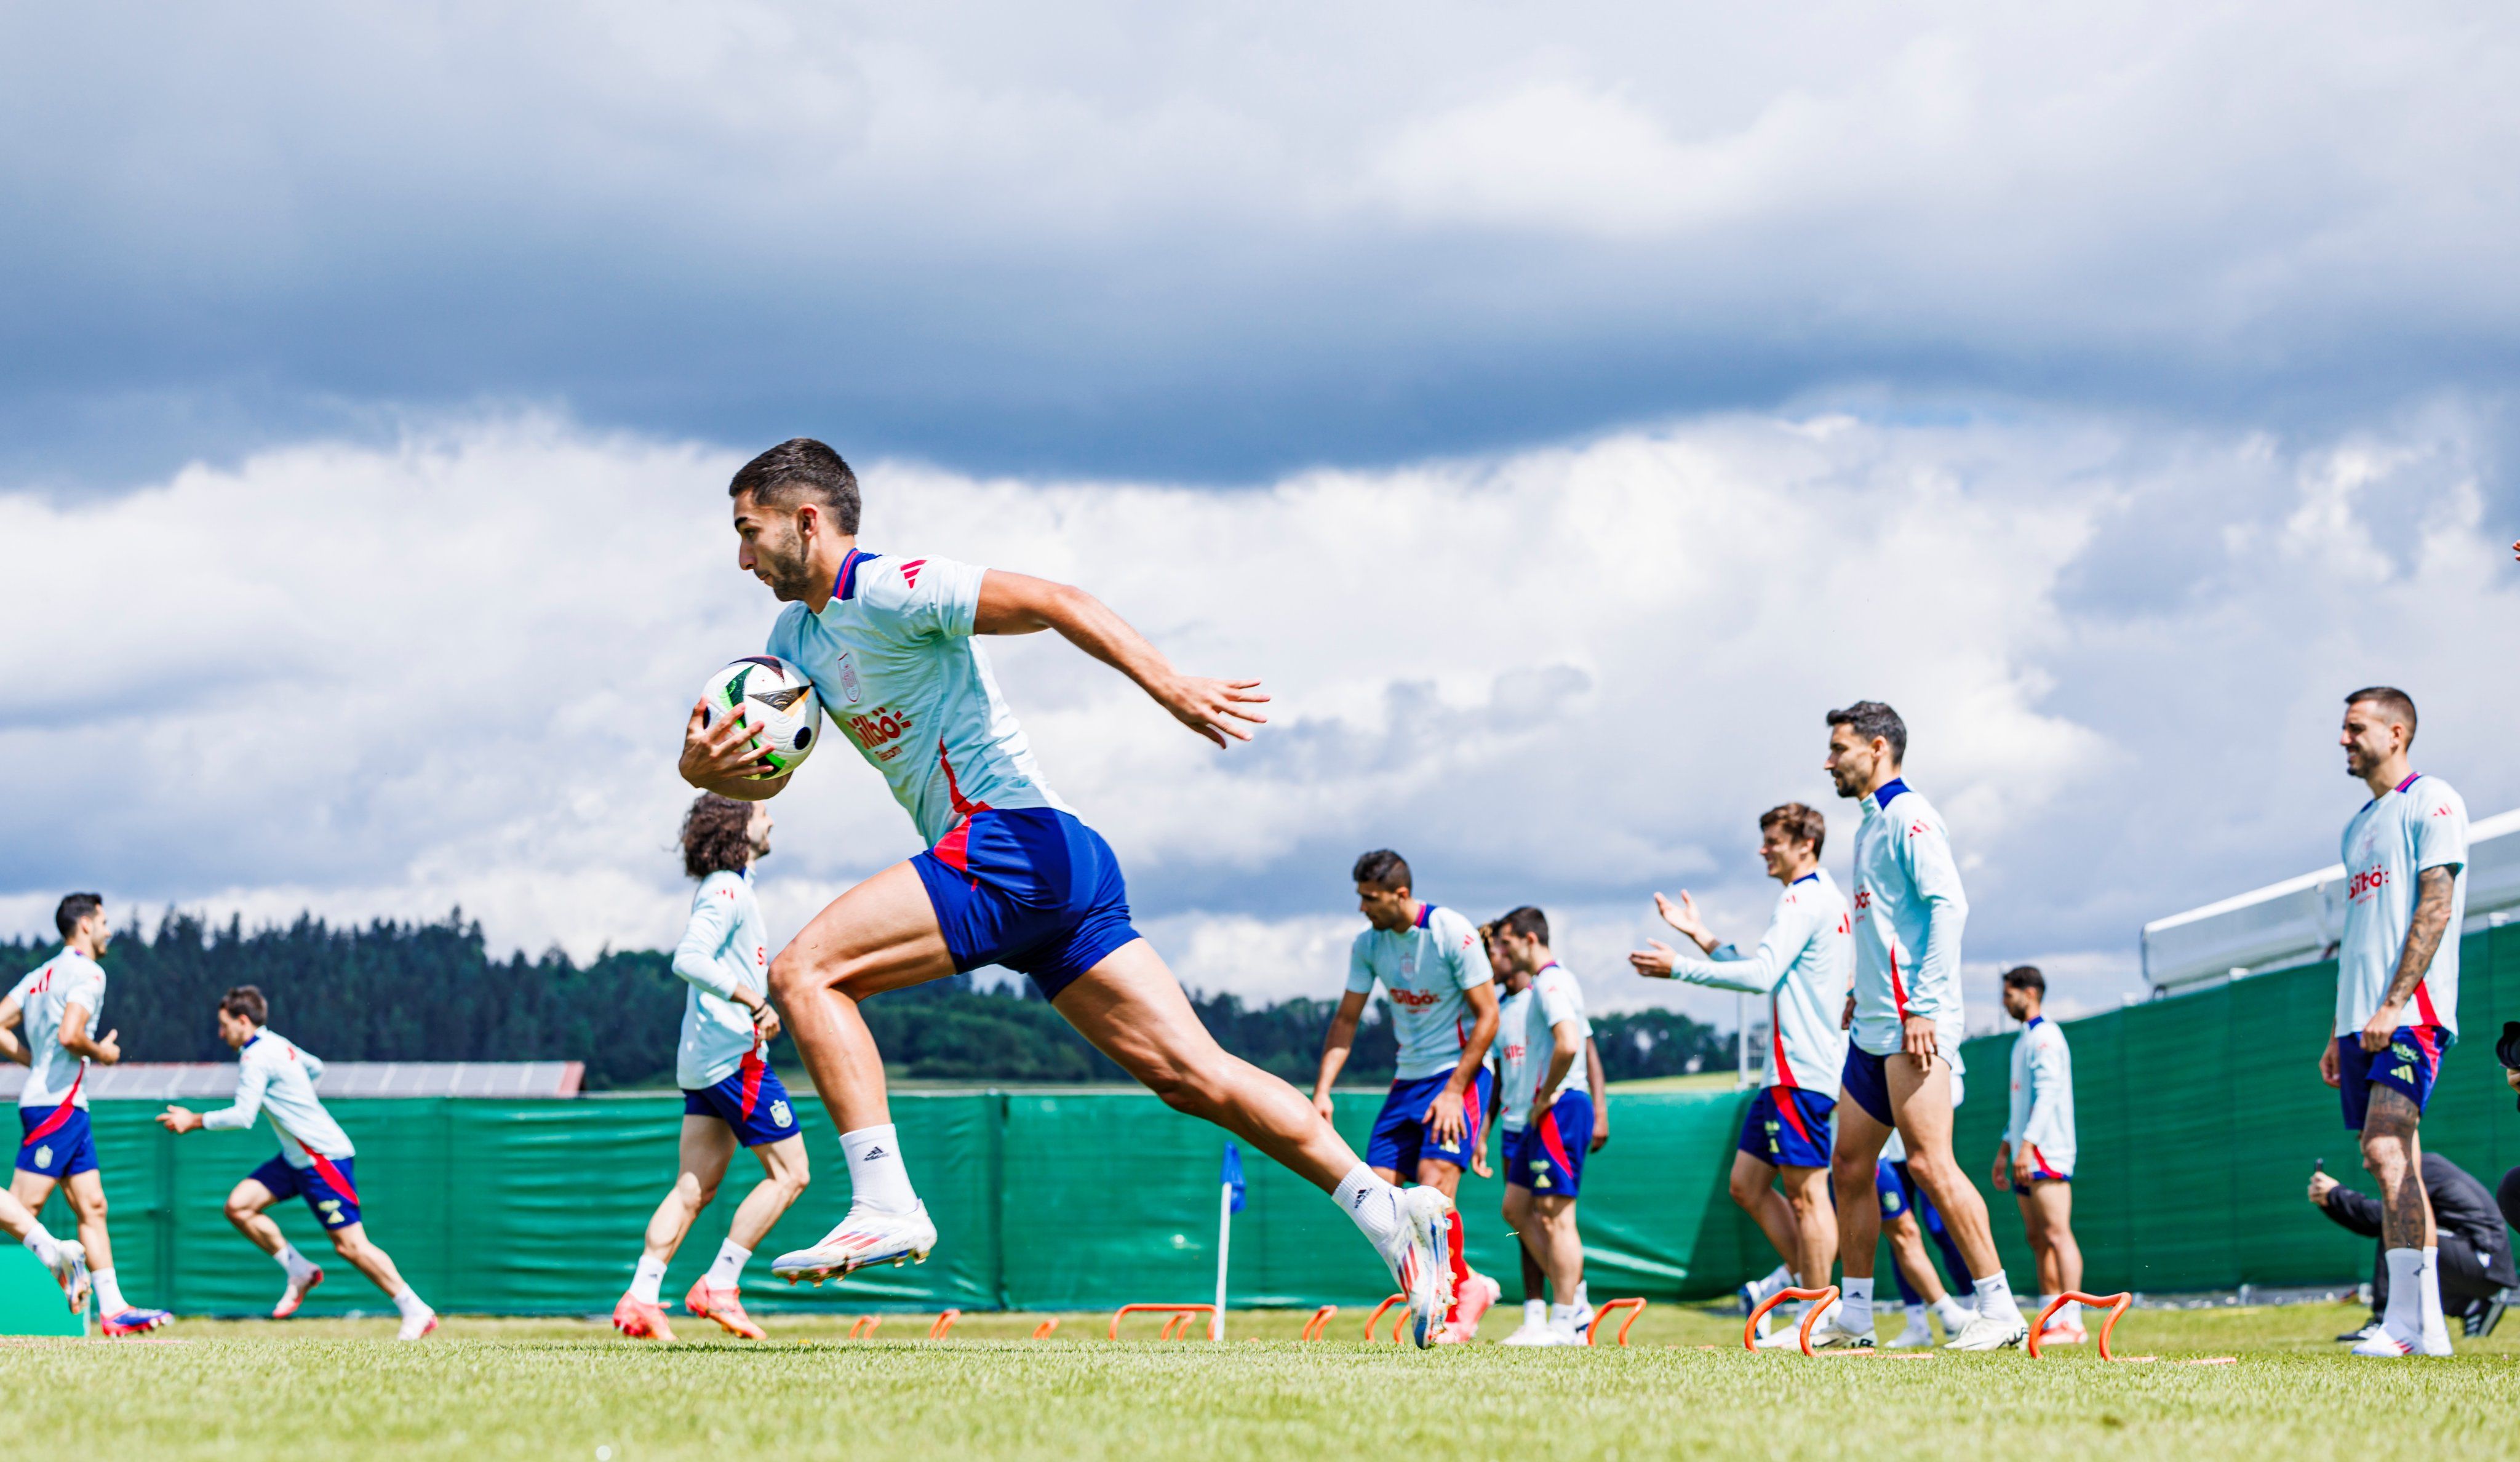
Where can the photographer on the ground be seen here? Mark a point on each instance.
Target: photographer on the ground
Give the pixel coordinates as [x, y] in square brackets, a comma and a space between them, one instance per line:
[2475, 1249]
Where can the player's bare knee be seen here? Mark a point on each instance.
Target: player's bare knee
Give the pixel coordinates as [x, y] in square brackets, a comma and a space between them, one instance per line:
[1747, 1189]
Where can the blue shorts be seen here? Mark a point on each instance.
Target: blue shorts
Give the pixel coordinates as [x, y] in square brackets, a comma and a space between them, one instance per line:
[1788, 1127]
[1031, 888]
[1866, 1081]
[1890, 1188]
[1549, 1157]
[330, 1187]
[1401, 1137]
[2409, 1066]
[753, 1102]
[59, 1142]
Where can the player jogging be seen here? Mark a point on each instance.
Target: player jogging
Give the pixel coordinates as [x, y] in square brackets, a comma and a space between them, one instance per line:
[1010, 876]
[57, 1003]
[1906, 1021]
[1801, 966]
[2397, 994]
[275, 1079]
[730, 1096]
[1442, 1006]
[1544, 1171]
[2037, 1159]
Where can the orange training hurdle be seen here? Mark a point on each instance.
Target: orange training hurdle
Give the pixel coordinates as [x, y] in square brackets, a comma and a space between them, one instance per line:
[2117, 1305]
[944, 1324]
[1320, 1322]
[1043, 1329]
[1376, 1319]
[1634, 1305]
[1176, 1328]
[862, 1327]
[1750, 1327]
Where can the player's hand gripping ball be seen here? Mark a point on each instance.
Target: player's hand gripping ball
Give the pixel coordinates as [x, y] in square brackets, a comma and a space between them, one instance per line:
[777, 701]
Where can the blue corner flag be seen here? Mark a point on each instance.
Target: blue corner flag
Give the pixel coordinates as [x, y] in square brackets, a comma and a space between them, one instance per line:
[1234, 1175]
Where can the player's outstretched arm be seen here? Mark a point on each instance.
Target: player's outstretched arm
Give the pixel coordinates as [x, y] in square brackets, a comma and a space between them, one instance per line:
[1335, 1049]
[1019, 604]
[722, 758]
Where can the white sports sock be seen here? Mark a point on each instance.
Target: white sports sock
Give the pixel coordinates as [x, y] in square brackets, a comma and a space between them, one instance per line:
[1994, 1297]
[1564, 1317]
[2404, 1316]
[728, 1272]
[1535, 1311]
[109, 1293]
[408, 1303]
[1856, 1296]
[42, 1244]
[1916, 1315]
[1583, 1296]
[1953, 1313]
[647, 1279]
[2436, 1328]
[877, 1177]
[1374, 1204]
[291, 1260]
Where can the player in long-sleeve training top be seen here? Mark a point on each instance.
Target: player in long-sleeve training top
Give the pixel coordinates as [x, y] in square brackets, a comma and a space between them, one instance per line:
[2397, 994]
[730, 1096]
[59, 1003]
[1801, 966]
[1907, 1021]
[275, 1080]
[2037, 1159]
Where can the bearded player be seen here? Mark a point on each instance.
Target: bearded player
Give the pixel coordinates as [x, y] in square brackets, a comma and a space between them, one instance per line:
[1010, 876]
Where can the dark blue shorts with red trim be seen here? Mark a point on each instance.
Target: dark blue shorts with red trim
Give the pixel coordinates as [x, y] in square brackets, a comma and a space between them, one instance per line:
[1402, 1139]
[2409, 1063]
[1548, 1157]
[1031, 888]
[753, 1102]
[1787, 1126]
[330, 1187]
[59, 1143]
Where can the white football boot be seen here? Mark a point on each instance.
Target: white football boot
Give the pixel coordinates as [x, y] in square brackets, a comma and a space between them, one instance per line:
[1787, 1333]
[1830, 1333]
[70, 1266]
[1420, 1259]
[2383, 1343]
[1534, 1330]
[866, 1236]
[1990, 1333]
[420, 1324]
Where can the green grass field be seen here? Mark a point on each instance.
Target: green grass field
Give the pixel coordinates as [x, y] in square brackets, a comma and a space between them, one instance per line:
[484, 1388]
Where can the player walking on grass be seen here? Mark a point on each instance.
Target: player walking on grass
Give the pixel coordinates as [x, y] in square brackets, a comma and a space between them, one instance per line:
[2397, 994]
[57, 1003]
[1010, 876]
[1443, 1003]
[730, 1096]
[1800, 965]
[2037, 1159]
[316, 1161]
[1906, 1020]
[1543, 1169]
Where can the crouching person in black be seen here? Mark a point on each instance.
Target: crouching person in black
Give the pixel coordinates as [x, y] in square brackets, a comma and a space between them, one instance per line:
[2475, 1251]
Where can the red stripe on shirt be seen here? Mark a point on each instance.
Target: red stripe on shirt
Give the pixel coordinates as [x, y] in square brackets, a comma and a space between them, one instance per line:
[61, 1115]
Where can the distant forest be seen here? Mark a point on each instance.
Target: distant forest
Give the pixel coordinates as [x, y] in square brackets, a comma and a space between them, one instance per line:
[432, 991]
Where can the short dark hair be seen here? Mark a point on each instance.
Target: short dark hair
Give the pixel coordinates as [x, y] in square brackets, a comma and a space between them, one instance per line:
[71, 909]
[716, 836]
[1383, 868]
[2394, 703]
[801, 467]
[1524, 923]
[2026, 978]
[1872, 718]
[1802, 824]
[247, 1003]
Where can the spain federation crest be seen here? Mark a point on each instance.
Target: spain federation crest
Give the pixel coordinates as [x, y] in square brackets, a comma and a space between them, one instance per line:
[849, 679]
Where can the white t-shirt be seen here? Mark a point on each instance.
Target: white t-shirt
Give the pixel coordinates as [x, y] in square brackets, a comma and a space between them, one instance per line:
[723, 946]
[1801, 966]
[894, 660]
[277, 1079]
[1555, 999]
[68, 979]
[1507, 1054]
[1909, 914]
[2418, 824]
[2042, 1121]
[1423, 969]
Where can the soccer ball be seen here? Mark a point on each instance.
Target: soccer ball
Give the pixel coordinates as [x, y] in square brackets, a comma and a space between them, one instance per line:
[777, 700]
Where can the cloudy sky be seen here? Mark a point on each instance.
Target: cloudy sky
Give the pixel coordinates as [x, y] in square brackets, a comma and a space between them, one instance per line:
[1558, 413]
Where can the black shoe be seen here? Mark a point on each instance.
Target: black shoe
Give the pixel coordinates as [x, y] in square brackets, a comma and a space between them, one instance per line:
[2485, 1314]
[2356, 1336]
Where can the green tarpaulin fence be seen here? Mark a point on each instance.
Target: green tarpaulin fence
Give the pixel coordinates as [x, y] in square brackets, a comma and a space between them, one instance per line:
[2199, 1120]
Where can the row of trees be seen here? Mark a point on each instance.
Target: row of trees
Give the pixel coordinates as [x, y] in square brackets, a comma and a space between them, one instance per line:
[432, 991]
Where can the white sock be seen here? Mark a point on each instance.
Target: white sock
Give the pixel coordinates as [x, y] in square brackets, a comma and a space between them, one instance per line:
[1994, 1297]
[108, 1292]
[1916, 1315]
[291, 1260]
[647, 1279]
[1856, 1296]
[1564, 1316]
[1374, 1204]
[2066, 1314]
[408, 1303]
[43, 1246]
[2436, 1328]
[2405, 1313]
[877, 1177]
[1953, 1313]
[728, 1272]
[1535, 1311]
[1582, 1298]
